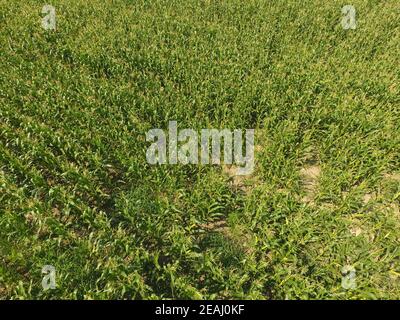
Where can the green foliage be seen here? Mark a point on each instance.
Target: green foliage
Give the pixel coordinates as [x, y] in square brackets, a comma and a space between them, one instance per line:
[76, 191]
